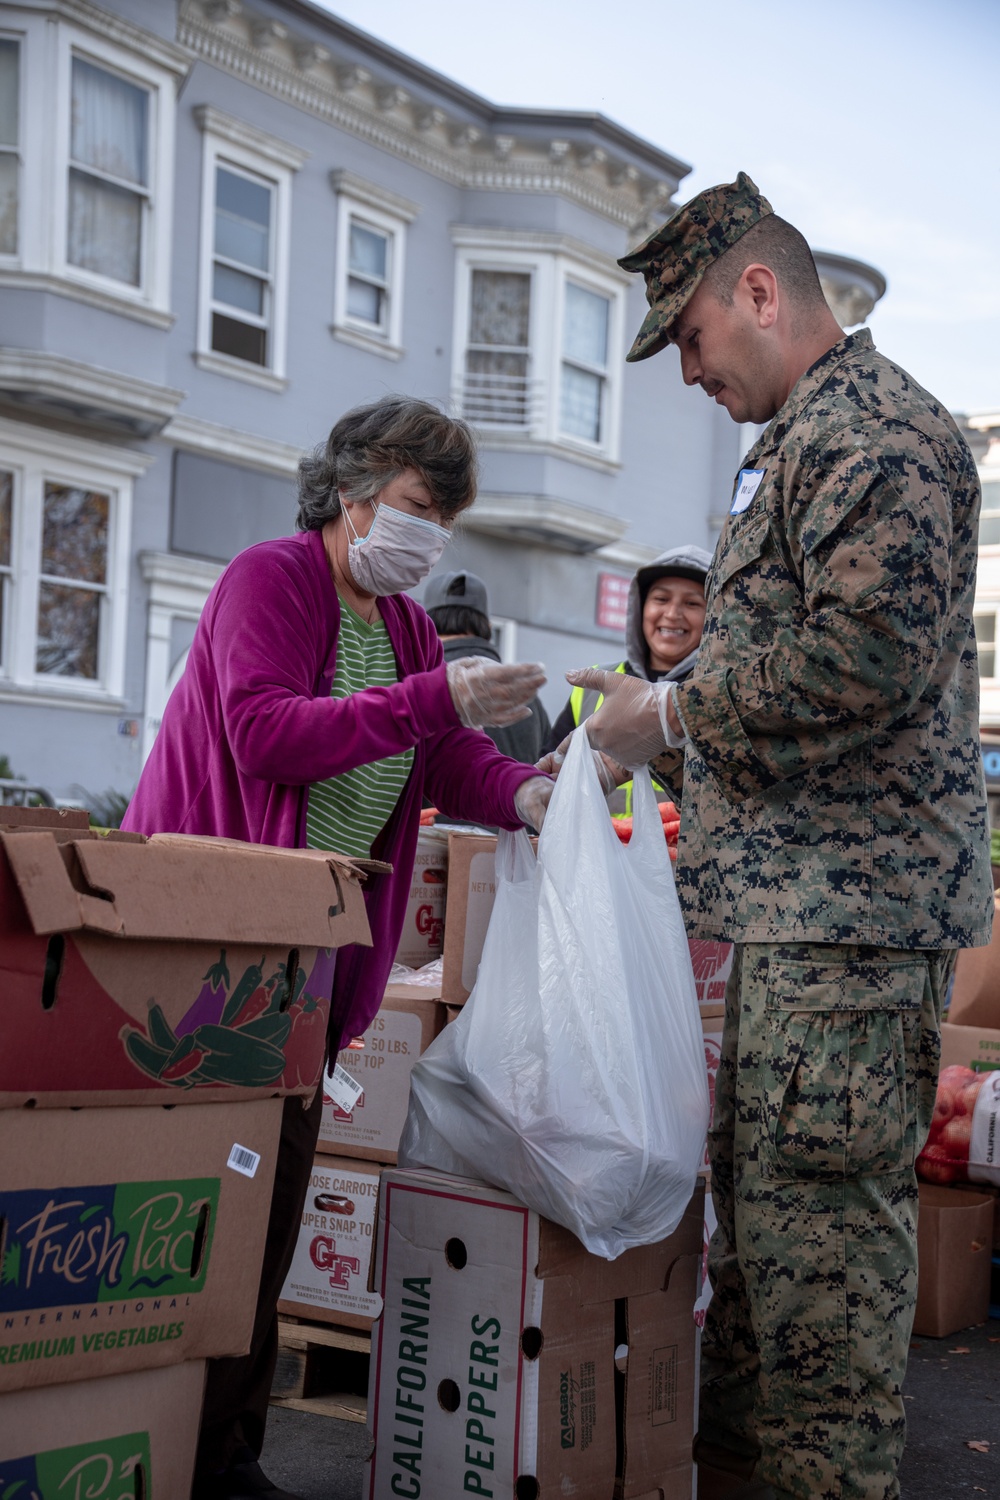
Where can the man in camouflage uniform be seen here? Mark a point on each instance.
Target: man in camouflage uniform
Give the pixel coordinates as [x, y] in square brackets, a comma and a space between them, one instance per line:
[834, 827]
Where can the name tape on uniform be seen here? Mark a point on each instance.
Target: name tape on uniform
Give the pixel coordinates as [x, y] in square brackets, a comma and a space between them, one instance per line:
[344, 1090]
[747, 486]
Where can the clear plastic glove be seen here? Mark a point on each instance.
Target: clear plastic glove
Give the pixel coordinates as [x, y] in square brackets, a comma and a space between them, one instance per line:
[629, 725]
[609, 772]
[531, 801]
[486, 692]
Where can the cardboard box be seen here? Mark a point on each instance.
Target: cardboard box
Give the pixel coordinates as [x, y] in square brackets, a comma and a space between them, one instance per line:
[704, 1296]
[992, 1192]
[970, 1047]
[712, 964]
[712, 1018]
[975, 995]
[422, 937]
[191, 969]
[121, 1437]
[509, 1361]
[329, 1275]
[954, 1236]
[130, 1241]
[471, 894]
[382, 1061]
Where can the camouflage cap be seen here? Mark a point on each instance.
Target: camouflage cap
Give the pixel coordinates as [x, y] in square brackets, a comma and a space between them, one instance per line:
[676, 256]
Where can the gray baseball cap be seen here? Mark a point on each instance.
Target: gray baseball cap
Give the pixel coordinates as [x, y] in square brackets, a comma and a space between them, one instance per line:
[456, 588]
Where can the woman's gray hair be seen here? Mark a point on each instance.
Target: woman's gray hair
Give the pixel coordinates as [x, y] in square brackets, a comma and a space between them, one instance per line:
[372, 445]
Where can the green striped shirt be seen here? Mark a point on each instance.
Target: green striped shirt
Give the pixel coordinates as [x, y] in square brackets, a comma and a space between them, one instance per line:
[348, 812]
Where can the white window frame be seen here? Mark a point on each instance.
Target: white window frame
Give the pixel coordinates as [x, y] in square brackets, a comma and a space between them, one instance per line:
[984, 610]
[34, 458]
[551, 260]
[990, 505]
[13, 257]
[47, 49]
[231, 142]
[388, 214]
[608, 443]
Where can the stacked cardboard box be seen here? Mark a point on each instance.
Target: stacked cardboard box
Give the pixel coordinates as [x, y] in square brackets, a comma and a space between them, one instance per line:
[364, 1107]
[136, 975]
[510, 1361]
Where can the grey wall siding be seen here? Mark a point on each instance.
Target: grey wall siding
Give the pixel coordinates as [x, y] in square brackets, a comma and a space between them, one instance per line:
[66, 749]
[218, 509]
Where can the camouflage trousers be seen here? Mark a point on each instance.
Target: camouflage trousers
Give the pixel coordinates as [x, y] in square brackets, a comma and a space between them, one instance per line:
[824, 1097]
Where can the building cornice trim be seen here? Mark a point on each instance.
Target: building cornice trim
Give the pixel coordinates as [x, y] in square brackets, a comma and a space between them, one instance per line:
[472, 237]
[545, 519]
[363, 191]
[239, 133]
[89, 388]
[477, 153]
[60, 286]
[248, 449]
[171, 573]
[629, 555]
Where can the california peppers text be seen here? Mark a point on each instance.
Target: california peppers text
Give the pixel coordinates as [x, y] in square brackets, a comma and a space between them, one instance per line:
[411, 1384]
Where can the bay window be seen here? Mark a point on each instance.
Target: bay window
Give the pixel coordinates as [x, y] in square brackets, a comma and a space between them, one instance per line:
[87, 112]
[65, 520]
[539, 323]
[108, 190]
[10, 137]
[498, 351]
[584, 374]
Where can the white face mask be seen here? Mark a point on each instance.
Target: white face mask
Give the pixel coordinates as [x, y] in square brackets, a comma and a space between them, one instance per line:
[398, 551]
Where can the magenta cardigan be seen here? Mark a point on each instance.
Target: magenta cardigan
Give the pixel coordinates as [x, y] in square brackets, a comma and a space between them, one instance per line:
[251, 725]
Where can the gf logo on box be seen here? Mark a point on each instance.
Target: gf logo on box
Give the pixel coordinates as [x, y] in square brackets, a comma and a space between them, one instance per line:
[323, 1254]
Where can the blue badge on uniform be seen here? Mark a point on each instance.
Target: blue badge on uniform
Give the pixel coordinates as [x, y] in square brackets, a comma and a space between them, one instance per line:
[747, 486]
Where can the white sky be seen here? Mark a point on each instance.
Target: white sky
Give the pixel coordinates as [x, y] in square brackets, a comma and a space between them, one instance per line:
[873, 125]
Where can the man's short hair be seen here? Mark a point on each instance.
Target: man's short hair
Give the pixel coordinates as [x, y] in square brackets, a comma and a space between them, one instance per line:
[459, 619]
[777, 244]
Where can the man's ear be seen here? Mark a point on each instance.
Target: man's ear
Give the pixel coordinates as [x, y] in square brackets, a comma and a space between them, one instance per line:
[760, 287]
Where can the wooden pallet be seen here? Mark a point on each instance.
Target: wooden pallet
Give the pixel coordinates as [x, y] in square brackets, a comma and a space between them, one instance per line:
[316, 1361]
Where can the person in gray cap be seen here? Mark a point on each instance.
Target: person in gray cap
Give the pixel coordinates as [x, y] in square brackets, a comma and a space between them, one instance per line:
[834, 827]
[459, 608]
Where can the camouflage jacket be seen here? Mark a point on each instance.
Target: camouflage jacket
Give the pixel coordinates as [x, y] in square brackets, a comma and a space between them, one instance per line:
[833, 783]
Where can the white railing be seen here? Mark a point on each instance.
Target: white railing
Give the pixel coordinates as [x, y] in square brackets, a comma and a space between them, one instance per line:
[493, 400]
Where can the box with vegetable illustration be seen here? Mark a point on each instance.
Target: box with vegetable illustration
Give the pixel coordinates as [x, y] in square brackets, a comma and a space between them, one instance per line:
[509, 1361]
[130, 1242]
[124, 1437]
[137, 970]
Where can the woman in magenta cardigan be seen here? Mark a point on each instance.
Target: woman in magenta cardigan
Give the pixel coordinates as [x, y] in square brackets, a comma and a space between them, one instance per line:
[271, 738]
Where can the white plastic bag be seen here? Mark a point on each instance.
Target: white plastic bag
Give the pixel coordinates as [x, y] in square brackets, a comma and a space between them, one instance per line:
[575, 1075]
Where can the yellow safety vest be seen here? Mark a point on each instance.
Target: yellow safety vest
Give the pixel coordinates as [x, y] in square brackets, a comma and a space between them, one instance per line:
[586, 701]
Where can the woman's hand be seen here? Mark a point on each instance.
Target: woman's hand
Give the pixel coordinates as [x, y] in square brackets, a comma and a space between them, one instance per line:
[610, 773]
[531, 801]
[486, 692]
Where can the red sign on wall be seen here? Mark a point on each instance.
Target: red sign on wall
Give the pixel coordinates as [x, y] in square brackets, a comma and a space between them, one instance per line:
[612, 600]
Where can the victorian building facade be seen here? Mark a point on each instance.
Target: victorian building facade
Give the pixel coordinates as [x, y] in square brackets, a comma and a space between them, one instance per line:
[224, 223]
